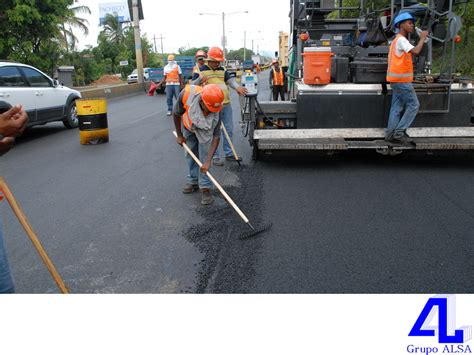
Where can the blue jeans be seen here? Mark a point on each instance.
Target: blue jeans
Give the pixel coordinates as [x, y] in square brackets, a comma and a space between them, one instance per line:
[6, 282]
[226, 119]
[403, 111]
[171, 91]
[195, 177]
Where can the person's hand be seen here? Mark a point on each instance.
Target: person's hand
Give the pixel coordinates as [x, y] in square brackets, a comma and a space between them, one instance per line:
[180, 140]
[203, 80]
[205, 167]
[423, 35]
[13, 122]
[242, 91]
[6, 144]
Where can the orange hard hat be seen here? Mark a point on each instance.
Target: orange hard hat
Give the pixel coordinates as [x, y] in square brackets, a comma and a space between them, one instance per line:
[213, 97]
[200, 54]
[215, 54]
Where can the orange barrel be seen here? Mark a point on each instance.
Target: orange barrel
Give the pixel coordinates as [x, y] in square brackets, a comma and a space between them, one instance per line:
[93, 126]
[317, 65]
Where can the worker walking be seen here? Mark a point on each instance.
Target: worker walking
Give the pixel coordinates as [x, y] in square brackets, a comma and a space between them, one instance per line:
[173, 76]
[277, 81]
[405, 103]
[200, 60]
[214, 73]
[197, 121]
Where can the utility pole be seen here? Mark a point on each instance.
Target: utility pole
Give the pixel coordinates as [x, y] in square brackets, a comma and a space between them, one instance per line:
[138, 42]
[245, 45]
[154, 41]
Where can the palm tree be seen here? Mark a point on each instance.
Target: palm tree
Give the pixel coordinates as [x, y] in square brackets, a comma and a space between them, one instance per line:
[71, 21]
[112, 29]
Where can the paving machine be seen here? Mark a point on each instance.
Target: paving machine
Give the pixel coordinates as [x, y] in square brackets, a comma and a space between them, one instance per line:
[339, 99]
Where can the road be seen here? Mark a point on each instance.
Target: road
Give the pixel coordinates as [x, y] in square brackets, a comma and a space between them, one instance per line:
[113, 219]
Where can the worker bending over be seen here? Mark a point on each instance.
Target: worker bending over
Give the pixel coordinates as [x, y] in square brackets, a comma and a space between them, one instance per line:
[173, 76]
[400, 76]
[214, 73]
[198, 124]
[277, 81]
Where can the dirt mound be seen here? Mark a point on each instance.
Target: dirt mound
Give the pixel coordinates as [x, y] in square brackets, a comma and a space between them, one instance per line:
[107, 80]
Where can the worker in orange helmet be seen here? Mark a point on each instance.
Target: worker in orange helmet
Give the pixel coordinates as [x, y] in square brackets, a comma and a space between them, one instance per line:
[214, 73]
[277, 81]
[198, 124]
[200, 60]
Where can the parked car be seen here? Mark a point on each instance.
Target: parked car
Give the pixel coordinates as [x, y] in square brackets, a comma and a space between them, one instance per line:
[133, 78]
[44, 99]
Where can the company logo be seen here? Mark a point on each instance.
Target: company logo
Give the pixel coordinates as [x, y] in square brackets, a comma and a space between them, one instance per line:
[445, 332]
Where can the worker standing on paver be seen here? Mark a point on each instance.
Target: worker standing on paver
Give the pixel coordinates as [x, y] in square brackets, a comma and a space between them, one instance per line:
[405, 104]
[277, 81]
[200, 61]
[198, 124]
[214, 73]
[173, 77]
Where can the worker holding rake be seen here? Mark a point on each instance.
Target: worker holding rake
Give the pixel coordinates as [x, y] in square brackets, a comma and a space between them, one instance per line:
[197, 122]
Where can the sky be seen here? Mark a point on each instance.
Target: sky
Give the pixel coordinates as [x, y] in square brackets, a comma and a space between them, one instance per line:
[181, 25]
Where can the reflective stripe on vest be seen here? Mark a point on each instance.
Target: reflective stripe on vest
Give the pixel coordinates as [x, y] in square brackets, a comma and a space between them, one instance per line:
[189, 92]
[173, 76]
[196, 69]
[217, 77]
[278, 78]
[400, 68]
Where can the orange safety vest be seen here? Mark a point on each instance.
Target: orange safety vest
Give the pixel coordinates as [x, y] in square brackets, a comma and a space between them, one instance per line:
[189, 92]
[400, 68]
[278, 78]
[173, 76]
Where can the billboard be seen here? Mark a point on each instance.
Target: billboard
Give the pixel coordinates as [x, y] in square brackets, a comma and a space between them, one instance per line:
[119, 9]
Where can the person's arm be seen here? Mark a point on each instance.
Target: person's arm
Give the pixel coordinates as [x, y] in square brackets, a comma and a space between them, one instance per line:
[6, 144]
[232, 82]
[178, 112]
[163, 79]
[421, 42]
[212, 150]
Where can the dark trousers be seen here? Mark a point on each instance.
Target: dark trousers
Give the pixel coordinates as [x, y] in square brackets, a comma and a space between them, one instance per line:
[278, 89]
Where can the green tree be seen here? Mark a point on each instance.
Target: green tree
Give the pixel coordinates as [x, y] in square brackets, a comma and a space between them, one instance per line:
[73, 21]
[191, 51]
[239, 54]
[29, 31]
[113, 31]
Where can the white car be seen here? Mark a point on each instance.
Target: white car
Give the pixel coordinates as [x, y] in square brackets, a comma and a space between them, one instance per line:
[133, 78]
[43, 98]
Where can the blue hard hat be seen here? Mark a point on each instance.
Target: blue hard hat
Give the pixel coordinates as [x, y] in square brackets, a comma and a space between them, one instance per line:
[403, 16]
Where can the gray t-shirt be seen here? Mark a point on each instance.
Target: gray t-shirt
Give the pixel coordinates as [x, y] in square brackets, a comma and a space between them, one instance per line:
[179, 110]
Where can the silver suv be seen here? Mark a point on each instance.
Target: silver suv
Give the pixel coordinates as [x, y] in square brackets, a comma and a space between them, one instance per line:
[43, 98]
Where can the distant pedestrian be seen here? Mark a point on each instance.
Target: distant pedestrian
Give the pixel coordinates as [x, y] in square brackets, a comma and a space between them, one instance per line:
[173, 76]
[200, 60]
[214, 73]
[277, 81]
[12, 124]
[198, 124]
[405, 103]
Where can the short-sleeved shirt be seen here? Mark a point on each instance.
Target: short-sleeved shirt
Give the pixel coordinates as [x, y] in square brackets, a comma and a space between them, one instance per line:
[179, 110]
[169, 68]
[403, 46]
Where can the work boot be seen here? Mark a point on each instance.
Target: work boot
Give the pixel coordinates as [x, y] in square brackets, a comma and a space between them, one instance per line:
[405, 138]
[188, 188]
[217, 162]
[206, 197]
[168, 113]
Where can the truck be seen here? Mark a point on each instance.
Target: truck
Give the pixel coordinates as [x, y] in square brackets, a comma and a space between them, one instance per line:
[350, 110]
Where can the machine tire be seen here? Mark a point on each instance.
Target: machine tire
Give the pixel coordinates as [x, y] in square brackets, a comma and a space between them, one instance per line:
[71, 121]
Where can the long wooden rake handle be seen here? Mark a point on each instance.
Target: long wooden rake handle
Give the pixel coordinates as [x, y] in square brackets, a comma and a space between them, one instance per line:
[216, 184]
[229, 141]
[32, 235]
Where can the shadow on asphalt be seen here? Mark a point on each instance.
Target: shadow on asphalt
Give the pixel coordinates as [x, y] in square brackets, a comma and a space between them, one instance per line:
[305, 158]
[38, 132]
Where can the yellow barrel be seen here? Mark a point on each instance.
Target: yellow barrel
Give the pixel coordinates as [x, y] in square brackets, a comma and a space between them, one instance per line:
[93, 126]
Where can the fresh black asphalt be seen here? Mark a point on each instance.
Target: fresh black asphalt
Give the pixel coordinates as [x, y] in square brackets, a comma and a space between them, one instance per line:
[113, 219]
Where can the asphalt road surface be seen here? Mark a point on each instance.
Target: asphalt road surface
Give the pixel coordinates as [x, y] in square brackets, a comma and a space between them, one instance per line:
[113, 219]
